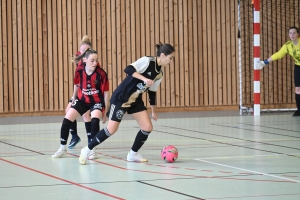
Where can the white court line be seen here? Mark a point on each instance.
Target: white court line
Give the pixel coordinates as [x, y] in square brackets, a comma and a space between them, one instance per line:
[294, 153]
[226, 157]
[246, 156]
[279, 177]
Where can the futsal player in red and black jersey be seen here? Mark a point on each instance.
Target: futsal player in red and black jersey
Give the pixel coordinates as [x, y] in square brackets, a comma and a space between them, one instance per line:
[90, 94]
[143, 75]
[84, 44]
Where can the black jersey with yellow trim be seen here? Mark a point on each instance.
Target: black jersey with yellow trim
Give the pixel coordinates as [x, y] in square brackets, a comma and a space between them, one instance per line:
[131, 89]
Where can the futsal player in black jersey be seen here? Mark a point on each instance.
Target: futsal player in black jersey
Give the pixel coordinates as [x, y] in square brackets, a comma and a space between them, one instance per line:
[91, 94]
[143, 75]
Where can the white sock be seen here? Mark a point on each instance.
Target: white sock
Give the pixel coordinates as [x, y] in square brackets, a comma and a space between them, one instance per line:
[63, 146]
[132, 153]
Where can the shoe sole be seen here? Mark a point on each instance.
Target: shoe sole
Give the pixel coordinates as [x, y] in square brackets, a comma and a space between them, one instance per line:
[74, 145]
[62, 156]
[138, 161]
[82, 160]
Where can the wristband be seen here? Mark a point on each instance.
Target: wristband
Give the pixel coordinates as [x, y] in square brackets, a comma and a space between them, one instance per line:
[266, 61]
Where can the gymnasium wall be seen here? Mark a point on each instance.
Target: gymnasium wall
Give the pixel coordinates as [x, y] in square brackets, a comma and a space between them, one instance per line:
[39, 37]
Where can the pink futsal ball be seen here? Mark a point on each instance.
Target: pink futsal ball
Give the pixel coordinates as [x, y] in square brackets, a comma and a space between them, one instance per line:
[169, 153]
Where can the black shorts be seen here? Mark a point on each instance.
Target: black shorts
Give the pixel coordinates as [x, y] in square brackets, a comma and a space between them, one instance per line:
[82, 107]
[116, 111]
[297, 75]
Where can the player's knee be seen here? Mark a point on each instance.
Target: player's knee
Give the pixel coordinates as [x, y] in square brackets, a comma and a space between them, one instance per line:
[147, 128]
[86, 117]
[112, 128]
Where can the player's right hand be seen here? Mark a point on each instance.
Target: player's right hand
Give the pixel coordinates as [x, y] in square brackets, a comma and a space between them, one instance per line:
[68, 107]
[148, 82]
[260, 65]
[154, 116]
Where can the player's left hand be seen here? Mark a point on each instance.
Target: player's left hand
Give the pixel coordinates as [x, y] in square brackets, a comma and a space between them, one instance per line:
[260, 65]
[154, 116]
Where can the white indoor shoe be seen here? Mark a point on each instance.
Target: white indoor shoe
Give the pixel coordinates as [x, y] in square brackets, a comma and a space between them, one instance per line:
[61, 152]
[93, 154]
[85, 152]
[135, 158]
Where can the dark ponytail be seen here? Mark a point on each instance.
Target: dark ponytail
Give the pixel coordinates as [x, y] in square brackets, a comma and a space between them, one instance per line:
[166, 49]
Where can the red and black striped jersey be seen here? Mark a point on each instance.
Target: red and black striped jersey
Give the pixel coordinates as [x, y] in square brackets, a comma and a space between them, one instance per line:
[91, 88]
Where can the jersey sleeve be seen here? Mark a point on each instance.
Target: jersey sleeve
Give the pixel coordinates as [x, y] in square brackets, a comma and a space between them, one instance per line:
[282, 52]
[76, 78]
[104, 79]
[141, 64]
[106, 84]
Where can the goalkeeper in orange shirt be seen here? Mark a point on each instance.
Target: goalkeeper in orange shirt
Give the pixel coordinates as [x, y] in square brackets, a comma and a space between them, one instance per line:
[291, 47]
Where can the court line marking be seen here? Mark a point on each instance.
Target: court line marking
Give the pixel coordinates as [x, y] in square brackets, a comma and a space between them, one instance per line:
[166, 166]
[231, 137]
[245, 156]
[167, 173]
[61, 179]
[230, 144]
[276, 128]
[242, 169]
[183, 194]
[21, 148]
[254, 196]
[253, 130]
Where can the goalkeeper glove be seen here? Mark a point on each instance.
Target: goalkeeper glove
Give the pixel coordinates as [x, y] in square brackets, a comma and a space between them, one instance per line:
[261, 64]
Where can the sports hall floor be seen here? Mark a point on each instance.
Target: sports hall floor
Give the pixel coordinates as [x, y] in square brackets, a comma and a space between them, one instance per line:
[222, 155]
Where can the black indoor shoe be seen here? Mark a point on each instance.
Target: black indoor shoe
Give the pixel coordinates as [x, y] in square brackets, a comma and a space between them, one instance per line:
[75, 140]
